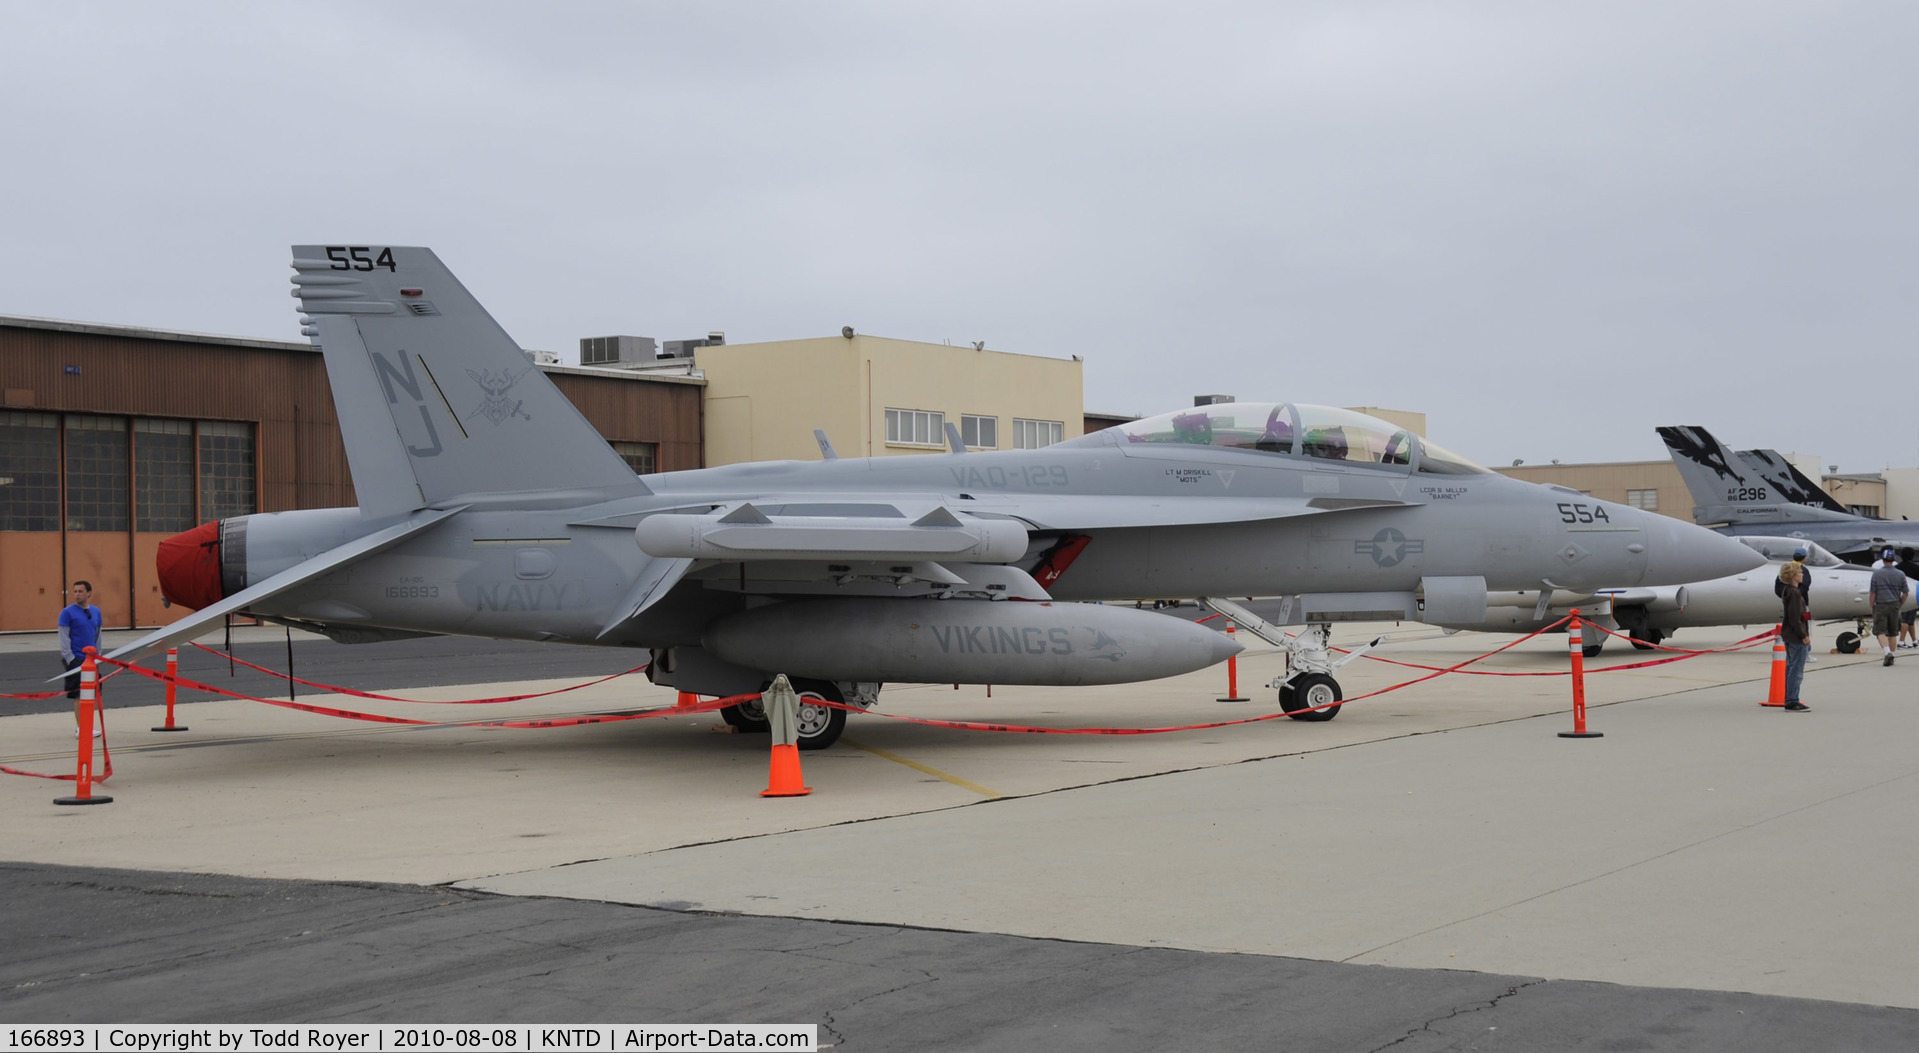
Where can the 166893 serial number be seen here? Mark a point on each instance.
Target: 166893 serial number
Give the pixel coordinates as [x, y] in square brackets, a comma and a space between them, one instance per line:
[46, 1037]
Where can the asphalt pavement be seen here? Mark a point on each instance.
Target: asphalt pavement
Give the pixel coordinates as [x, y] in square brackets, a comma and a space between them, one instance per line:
[1435, 870]
[109, 946]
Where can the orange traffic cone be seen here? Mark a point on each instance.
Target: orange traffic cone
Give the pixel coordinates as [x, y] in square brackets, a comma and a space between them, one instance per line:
[1777, 695]
[784, 778]
[686, 698]
[84, 713]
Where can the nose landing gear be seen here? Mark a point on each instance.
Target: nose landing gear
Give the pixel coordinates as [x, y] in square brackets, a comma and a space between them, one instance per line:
[1308, 690]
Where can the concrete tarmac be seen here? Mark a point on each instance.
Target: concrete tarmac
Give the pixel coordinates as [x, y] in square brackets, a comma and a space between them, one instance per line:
[1706, 846]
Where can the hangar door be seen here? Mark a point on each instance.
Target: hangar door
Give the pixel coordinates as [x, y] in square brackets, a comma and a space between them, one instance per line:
[91, 496]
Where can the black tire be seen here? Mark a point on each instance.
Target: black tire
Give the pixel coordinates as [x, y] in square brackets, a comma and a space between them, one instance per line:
[749, 716]
[820, 726]
[1848, 643]
[1645, 639]
[1592, 650]
[1299, 697]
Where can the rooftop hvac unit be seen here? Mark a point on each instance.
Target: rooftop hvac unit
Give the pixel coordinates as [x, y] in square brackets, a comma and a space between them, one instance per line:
[616, 350]
[1208, 400]
[686, 348]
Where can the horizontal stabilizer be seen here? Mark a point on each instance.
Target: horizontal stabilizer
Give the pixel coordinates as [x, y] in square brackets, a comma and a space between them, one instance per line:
[326, 562]
[656, 579]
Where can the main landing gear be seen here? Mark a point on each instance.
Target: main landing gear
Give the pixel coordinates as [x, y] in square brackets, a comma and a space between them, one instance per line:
[1307, 690]
[820, 726]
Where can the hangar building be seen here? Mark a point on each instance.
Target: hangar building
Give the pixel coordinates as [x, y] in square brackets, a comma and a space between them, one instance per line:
[113, 438]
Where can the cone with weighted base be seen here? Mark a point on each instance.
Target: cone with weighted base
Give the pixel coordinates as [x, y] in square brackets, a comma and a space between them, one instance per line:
[173, 674]
[84, 714]
[782, 705]
[1576, 647]
[1776, 697]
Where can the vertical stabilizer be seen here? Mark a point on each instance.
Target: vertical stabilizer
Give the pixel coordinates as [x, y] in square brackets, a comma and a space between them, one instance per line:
[1727, 488]
[1789, 482]
[435, 401]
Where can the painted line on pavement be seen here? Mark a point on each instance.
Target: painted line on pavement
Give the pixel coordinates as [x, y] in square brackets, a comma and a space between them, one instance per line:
[917, 766]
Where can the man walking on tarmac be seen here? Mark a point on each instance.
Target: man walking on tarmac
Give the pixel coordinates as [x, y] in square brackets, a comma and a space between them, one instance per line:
[79, 630]
[1888, 595]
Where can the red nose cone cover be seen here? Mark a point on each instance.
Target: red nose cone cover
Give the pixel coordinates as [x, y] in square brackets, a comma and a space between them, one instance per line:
[189, 566]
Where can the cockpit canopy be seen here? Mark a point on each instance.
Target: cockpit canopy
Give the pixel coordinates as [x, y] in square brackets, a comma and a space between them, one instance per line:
[1292, 430]
[1780, 549]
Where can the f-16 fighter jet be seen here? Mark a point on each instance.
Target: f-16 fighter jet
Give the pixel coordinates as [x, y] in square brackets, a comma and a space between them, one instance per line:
[489, 507]
[1758, 492]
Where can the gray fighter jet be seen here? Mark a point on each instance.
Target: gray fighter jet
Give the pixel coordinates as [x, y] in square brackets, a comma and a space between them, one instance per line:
[1840, 593]
[1758, 492]
[489, 507]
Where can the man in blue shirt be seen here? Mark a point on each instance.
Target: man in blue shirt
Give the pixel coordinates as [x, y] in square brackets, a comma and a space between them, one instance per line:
[79, 630]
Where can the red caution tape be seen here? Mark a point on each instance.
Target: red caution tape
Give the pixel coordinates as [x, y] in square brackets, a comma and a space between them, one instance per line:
[335, 689]
[716, 704]
[1729, 648]
[36, 696]
[99, 714]
[1028, 729]
[381, 718]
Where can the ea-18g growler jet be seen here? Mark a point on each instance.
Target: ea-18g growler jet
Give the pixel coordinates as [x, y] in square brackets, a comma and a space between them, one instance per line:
[489, 507]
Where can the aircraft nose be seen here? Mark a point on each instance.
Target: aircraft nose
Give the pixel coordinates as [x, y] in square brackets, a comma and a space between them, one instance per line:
[1679, 552]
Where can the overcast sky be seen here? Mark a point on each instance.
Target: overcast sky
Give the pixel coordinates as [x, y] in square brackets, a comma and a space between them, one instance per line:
[1550, 227]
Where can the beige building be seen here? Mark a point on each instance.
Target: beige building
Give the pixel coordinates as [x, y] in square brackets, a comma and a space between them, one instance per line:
[1652, 485]
[1408, 419]
[875, 396]
[1656, 486]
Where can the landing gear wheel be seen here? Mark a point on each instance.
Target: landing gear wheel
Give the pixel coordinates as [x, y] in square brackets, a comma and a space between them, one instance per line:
[749, 716]
[820, 726]
[1848, 643]
[1646, 639]
[1592, 650]
[1304, 694]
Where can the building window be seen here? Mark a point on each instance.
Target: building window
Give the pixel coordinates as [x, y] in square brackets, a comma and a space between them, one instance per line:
[1871, 511]
[1646, 499]
[916, 427]
[642, 457]
[29, 471]
[979, 433]
[1033, 434]
[163, 475]
[226, 469]
[96, 473]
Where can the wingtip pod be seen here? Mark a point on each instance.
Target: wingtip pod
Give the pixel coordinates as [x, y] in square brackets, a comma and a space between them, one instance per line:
[435, 400]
